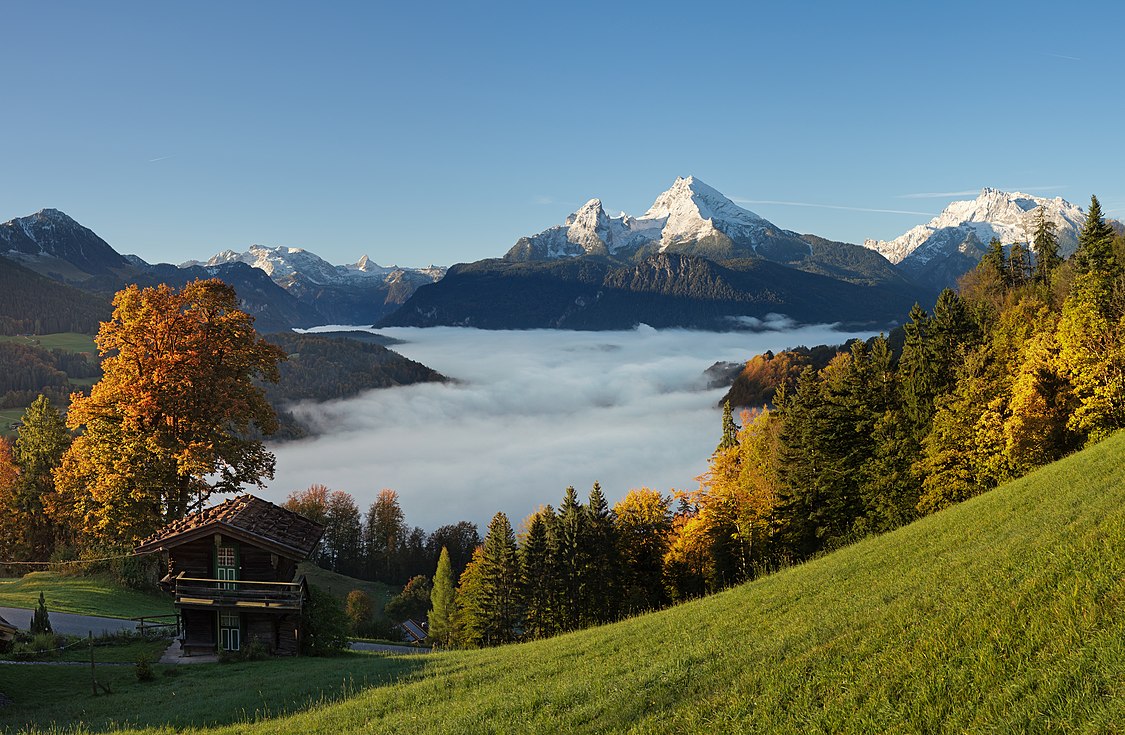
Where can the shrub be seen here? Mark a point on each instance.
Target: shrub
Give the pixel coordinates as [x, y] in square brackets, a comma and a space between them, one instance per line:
[324, 626]
[254, 650]
[143, 670]
[40, 622]
[359, 610]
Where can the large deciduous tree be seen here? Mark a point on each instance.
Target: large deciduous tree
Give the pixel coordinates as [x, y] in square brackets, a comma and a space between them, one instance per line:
[171, 421]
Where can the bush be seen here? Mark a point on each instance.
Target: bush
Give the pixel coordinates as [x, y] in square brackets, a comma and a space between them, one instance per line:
[359, 610]
[324, 626]
[143, 670]
[254, 650]
[40, 622]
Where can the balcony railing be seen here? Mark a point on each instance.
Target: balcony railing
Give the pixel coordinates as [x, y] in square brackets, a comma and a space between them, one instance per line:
[238, 593]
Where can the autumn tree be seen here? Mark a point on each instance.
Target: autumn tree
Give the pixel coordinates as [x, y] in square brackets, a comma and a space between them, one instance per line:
[644, 524]
[170, 422]
[413, 603]
[359, 610]
[442, 597]
[383, 533]
[312, 503]
[11, 533]
[342, 534]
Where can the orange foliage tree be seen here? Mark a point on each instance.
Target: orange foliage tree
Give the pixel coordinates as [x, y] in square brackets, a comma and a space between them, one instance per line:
[171, 420]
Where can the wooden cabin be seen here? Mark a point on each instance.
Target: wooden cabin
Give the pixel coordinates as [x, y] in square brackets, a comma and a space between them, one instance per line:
[232, 569]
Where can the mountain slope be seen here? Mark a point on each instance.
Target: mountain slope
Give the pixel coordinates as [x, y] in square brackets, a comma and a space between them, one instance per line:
[661, 290]
[51, 243]
[940, 251]
[34, 304]
[341, 294]
[1005, 614]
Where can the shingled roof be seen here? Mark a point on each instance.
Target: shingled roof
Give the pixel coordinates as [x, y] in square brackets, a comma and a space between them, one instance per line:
[247, 516]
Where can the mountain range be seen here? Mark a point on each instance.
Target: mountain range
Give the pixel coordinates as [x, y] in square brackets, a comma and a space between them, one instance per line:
[950, 244]
[693, 259]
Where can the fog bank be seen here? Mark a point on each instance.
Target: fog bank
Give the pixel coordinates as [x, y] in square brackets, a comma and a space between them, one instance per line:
[531, 412]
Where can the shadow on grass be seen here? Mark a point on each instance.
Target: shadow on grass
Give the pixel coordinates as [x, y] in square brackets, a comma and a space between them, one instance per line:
[40, 697]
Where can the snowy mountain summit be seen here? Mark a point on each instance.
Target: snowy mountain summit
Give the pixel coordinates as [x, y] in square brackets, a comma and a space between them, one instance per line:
[955, 239]
[690, 217]
[284, 264]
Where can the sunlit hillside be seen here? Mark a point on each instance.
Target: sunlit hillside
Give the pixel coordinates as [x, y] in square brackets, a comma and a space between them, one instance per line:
[1003, 614]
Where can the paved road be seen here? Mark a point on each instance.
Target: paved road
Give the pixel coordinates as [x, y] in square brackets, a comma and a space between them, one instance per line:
[68, 623]
[387, 647]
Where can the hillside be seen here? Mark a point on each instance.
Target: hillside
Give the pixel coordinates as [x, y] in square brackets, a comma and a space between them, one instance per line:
[1003, 614]
[34, 304]
[662, 290]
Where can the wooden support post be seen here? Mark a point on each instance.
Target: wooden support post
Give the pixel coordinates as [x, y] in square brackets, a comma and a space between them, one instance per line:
[93, 676]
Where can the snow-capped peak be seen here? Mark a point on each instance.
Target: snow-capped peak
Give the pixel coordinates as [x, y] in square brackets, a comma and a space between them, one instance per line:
[691, 210]
[1008, 216]
[689, 217]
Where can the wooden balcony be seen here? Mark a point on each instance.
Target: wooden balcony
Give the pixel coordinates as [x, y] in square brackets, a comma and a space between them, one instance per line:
[238, 594]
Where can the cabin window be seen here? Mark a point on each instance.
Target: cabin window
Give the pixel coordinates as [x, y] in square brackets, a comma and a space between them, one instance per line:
[226, 565]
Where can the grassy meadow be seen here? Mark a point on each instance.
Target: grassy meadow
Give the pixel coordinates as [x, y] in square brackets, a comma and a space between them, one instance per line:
[69, 341]
[93, 595]
[1005, 614]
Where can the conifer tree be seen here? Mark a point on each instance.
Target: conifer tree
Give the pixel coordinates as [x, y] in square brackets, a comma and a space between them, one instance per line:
[917, 369]
[1046, 247]
[573, 551]
[1095, 243]
[730, 429]
[43, 440]
[537, 566]
[40, 621]
[603, 565]
[500, 605]
[442, 598]
[1019, 264]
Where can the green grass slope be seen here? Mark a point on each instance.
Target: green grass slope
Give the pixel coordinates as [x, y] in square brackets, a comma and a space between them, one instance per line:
[1004, 614]
[93, 595]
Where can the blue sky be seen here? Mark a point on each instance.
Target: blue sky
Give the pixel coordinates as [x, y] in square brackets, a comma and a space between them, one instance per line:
[441, 133]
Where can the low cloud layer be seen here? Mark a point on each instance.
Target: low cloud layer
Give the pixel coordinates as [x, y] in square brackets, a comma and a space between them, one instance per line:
[531, 412]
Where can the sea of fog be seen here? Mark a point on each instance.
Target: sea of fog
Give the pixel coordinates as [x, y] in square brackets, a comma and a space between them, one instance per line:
[530, 413]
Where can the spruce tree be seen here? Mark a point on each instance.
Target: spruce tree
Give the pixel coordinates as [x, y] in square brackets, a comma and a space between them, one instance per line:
[1046, 247]
[917, 369]
[952, 332]
[500, 598]
[1095, 243]
[442, 598]
[572, 554]
[536, 567]
[603, 565]
[729, 439]
[1019, 264]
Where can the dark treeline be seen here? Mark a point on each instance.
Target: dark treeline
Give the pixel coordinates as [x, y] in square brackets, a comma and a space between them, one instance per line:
[33, 304]
[1021, 367]
[379, 545]
[27, 371]
[326, 368]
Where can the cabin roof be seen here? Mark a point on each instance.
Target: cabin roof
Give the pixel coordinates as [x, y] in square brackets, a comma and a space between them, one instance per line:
[6, 627]
[247, 518]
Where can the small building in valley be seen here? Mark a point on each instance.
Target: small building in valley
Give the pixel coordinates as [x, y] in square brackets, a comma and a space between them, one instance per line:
[232, 572]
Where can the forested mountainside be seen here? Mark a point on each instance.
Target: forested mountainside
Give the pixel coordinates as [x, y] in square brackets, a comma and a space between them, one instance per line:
[34, 304]
[663, 290]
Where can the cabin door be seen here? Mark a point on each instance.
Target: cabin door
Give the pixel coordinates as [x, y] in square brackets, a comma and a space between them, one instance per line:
[230, 631]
